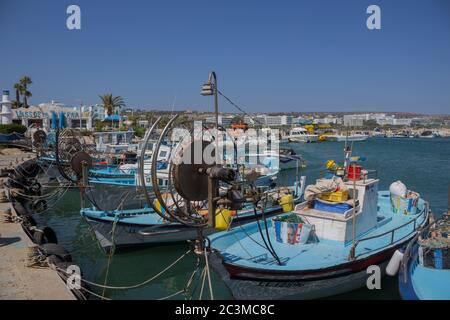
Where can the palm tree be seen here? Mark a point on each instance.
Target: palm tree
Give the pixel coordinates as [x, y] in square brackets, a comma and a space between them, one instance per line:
[18, 88]
[24, 82]
[111, 103]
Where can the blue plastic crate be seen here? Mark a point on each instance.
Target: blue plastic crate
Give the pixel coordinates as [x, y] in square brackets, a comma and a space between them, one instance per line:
[336, 208]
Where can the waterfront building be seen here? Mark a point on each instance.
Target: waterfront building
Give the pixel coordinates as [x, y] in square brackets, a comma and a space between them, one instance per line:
[223, 120]
[354, 120]
[52, 115]
[270, 120]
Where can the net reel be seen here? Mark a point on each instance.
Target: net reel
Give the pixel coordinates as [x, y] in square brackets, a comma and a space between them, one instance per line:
[186, 190]
[70, 154]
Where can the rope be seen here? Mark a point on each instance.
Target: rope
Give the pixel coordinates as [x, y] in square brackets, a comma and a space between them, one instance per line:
[136, 285]
[209, 276]
[172, 295]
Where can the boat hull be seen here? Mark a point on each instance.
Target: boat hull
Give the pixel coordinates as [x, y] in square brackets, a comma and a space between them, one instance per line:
[312, 284]
[130, 235]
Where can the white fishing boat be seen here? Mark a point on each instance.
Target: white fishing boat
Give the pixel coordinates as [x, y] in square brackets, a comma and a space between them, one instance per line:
[350, 137]
[301, 134]
[114, 142]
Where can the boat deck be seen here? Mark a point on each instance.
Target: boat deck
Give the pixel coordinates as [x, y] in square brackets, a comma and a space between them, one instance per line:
[244, 246]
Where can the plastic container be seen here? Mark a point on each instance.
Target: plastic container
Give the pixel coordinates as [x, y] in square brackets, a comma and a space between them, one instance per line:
[354, 172]
[223, 219]
[287, 203]
[291, 233]
[328, 207]
[337, 196]
[407, 206]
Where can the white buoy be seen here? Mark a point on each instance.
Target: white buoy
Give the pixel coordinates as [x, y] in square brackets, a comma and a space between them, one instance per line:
[398, 188]
[394, 263]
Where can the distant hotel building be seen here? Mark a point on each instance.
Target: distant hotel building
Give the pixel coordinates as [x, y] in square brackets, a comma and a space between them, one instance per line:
[357, 120]
[270, 121]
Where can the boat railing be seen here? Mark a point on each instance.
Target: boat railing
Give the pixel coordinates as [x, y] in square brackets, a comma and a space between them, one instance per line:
[424, 212]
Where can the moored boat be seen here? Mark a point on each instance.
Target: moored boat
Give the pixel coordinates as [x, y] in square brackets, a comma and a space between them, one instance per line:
[425, 265]
[301, 134]
[334, 258]
[131, 228]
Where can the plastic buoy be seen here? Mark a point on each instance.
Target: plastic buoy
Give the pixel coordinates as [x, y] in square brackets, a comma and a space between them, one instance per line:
[394, 263]
[398, 188]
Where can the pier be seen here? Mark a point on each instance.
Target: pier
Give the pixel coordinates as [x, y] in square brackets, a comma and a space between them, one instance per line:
[17, 281]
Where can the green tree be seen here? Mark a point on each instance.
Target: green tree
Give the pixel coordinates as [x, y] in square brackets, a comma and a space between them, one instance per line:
[25, 81]
[111, 103]
[18, 88]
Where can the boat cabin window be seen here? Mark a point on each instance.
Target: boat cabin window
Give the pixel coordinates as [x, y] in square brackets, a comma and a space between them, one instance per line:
[163, 154]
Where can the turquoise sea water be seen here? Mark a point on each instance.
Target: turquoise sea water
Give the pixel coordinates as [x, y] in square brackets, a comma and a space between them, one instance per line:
[423, 165]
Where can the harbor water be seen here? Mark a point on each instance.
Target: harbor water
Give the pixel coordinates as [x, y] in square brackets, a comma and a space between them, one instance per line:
[422, 164]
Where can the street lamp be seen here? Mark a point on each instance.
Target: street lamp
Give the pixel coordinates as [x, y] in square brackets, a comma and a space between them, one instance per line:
[209, 89]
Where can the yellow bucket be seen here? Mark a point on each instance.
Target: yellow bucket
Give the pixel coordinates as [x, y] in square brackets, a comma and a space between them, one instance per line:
[223, 218]
[287, 203]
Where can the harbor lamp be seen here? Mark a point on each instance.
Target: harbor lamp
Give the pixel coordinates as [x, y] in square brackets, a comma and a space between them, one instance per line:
[210, 89]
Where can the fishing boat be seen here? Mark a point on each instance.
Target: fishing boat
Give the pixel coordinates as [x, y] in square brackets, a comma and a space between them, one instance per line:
[131, 228]
[301, 134]
[425, 265]
[326, 251]
[114, 142]
[427, 134]
[285, 159]
[350, 137]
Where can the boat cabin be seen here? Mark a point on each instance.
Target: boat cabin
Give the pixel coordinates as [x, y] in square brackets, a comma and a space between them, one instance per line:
[338, 226]
[114, 141]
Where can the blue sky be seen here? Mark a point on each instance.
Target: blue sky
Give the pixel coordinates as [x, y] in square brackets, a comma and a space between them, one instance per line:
[270, 56]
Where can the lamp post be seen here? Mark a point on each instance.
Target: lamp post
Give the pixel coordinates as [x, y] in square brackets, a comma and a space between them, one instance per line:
[209, 89]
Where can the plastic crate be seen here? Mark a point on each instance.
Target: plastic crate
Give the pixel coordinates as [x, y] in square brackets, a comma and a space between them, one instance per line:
[335, 208]
[337, 196]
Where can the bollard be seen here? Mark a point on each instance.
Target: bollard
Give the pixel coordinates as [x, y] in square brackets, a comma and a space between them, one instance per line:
[7, 215]
[3, 197]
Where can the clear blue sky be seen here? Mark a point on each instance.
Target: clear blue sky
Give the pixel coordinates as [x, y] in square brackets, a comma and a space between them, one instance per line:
[269, 55]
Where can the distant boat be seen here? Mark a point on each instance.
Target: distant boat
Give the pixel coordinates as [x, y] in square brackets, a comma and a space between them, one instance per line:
[301, 134]
[427, 134]
[351, 137]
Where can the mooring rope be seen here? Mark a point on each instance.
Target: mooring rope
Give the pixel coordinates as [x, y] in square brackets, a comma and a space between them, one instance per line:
[136, 285]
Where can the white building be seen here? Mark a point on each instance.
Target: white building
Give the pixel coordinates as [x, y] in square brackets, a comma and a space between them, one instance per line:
[51, 115]
[96, 111]
[223, 120]
[328, 120]
[354, 120]
[269, 120]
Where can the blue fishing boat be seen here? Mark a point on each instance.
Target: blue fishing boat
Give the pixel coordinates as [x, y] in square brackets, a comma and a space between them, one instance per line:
[425, 265]
[325, 252]
[131, 227]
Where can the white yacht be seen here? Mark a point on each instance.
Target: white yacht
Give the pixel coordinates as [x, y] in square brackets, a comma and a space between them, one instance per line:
[350, 137]
[300, 134]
